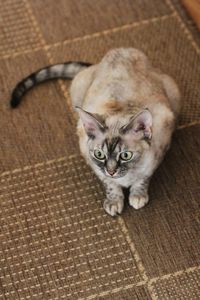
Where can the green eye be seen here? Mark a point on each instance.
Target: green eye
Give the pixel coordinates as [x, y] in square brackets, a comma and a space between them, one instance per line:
[99, 154]
[126, 155]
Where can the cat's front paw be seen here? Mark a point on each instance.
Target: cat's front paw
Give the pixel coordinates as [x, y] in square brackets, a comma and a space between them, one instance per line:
[113, 207]
[138, 201]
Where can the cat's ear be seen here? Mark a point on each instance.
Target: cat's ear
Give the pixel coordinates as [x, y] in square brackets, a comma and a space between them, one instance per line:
[140, 126]
[91, 122]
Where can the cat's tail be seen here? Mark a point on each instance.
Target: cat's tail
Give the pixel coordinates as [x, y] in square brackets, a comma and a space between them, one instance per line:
[66, 70]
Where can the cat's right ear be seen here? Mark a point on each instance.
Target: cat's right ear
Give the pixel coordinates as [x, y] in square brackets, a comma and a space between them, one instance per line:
[91, 123]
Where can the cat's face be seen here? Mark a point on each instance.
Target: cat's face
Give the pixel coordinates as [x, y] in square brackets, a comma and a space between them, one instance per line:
[114, 156]
[115, 145]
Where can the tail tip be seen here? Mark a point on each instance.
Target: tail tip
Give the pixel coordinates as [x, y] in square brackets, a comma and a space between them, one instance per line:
[14, 102]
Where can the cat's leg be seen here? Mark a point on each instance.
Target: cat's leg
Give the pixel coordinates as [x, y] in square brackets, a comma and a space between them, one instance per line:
[114, 202]
[139, 197]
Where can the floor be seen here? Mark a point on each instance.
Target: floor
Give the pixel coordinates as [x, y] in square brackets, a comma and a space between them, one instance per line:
[56, 241]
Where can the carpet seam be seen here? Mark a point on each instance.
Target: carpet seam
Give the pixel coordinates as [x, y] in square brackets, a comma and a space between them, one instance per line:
[145, 280]
[91, 297]
[188, 125]
[88, 36]
[115, 29]
[48, 162]
[175, 274]
[113, 291]
[48, 54]
[183, 27]
[137, 258]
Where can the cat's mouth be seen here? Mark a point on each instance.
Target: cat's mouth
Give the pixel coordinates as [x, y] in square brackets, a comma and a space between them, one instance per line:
[113, 174]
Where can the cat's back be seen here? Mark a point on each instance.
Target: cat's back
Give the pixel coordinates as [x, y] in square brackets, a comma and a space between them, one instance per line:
[123, 75]
[126, 76]
[123, 61]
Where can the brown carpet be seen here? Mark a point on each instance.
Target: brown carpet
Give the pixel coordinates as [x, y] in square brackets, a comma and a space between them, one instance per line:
[56, 241]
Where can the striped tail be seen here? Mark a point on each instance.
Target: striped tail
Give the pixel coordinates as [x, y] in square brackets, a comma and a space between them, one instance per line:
[65, 71]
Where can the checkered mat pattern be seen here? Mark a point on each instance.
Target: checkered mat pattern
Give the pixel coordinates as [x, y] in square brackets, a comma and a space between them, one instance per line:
[56, 241]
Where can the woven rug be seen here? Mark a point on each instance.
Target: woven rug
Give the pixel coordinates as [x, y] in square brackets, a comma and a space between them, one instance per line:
[56, 241]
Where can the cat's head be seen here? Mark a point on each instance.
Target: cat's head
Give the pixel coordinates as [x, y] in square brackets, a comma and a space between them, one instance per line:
[115, 144]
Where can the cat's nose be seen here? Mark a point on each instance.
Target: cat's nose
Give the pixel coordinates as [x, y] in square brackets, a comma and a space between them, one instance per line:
[111, 172]
[111, 167]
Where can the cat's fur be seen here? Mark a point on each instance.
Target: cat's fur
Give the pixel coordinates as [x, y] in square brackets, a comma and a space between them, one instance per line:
[124, 105]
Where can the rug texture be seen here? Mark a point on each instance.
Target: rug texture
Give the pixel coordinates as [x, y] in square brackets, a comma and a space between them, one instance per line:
[56, 241]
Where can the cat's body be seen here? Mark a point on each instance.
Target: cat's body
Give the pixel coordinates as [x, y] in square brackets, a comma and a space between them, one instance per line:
[127, 115]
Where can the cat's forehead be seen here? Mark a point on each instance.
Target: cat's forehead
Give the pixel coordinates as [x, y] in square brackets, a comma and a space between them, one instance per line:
[112, 141]
[114, 123]
[112, 144]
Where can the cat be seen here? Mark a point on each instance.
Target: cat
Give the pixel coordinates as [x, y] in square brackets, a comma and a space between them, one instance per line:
[127, 113]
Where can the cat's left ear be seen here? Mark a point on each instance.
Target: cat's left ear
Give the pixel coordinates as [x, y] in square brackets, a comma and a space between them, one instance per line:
[140, 126]
[91, 122]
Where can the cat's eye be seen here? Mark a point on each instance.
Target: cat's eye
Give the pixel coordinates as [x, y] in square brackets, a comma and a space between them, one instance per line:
[126, 155]
[99, 154]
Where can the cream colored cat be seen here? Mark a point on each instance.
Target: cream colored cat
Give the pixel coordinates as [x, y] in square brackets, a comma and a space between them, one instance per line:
[127, 110]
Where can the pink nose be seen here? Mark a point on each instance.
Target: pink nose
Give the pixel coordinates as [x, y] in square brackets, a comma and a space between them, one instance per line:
[111, 172]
